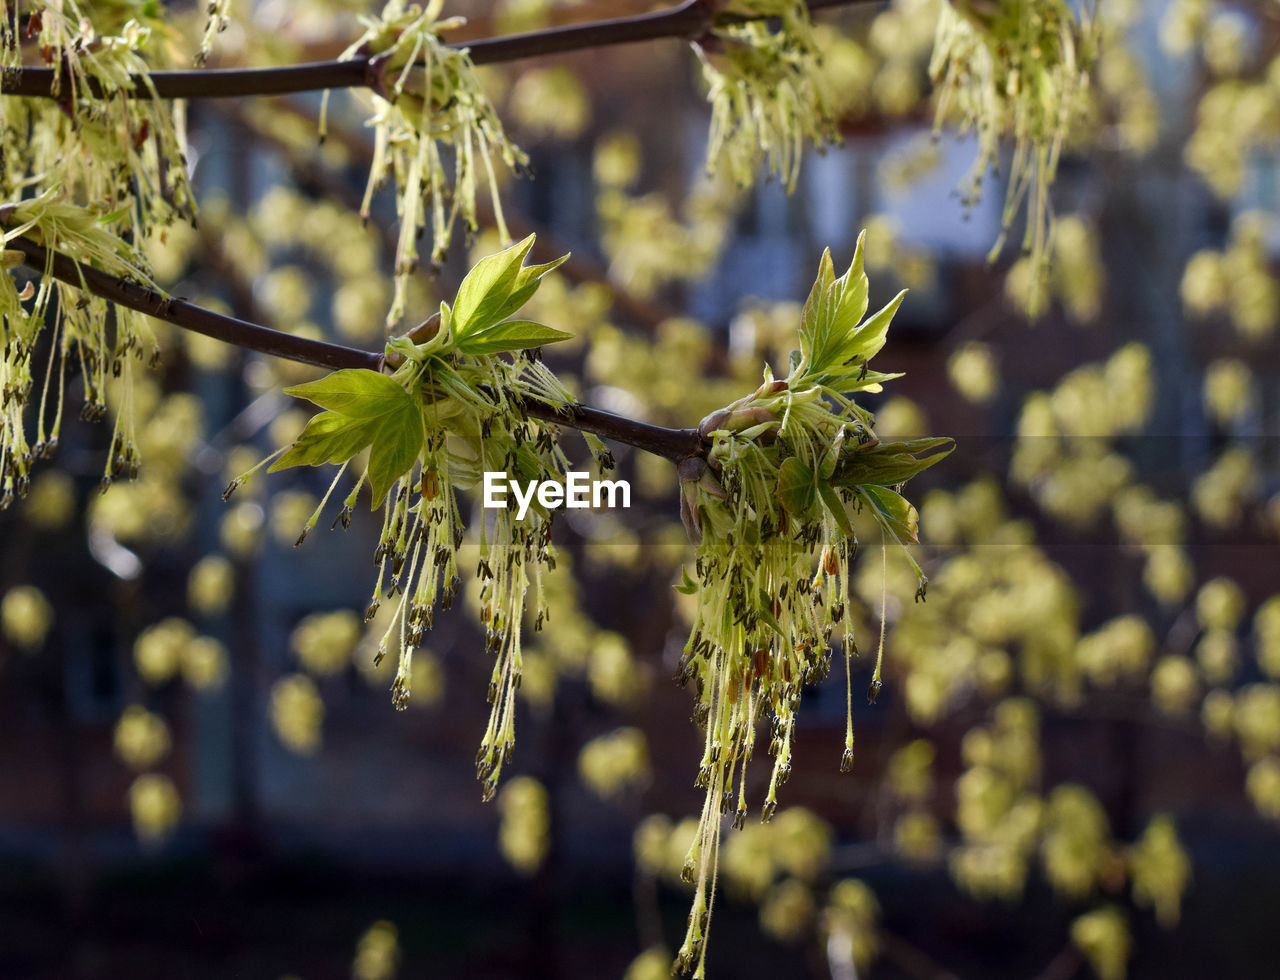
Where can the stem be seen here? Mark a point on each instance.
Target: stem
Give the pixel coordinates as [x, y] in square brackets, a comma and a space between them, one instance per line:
[188, 316]
[672, 444]
[690, 20]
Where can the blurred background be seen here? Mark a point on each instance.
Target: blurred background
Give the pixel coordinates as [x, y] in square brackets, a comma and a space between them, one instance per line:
[1074, 766]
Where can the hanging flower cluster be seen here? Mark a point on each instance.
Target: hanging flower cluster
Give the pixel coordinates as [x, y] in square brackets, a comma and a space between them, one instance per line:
[107, 170]
[124, 155]
[453, 409]
[765, 89]
[81, 335]
[1019, 68]
[771, 509]
[429, 98]
[217, 21]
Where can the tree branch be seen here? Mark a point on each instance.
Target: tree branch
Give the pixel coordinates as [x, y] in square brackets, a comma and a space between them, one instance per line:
[188, 316]
[672, 444]
[689, 20]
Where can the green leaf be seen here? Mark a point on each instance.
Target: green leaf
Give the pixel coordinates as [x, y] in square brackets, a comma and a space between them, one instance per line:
[510, 335]
[687, 585]
[397, 442]
[831, 456]
[809, 315]
[891, 463]
[528, 279]
[797, 487]
[836, 506]
[486, 289]
[354, 392]
[865, 342]
[326, 438]
[365, 408]
[852, 302]
[115, 216]
[815, 315]
[894, 512]
[528, 466]
[872, 381]
[829, 330]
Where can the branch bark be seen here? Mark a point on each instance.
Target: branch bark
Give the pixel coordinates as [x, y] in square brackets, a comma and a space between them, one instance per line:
[689, 20]
[188, 316]
[672, 444]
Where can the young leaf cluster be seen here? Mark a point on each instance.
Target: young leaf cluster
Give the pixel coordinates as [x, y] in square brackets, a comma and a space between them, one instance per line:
[81, 336]
[452, 410]
[771, 507]
[88, 173]
[124, 155]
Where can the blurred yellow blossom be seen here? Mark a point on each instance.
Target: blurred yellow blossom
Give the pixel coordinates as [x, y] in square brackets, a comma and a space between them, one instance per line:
[1121, 648]
[377, 953]
[550, 102]
[787, 911]
[1228, 390]
[1075, 841]
[650, 843]
[324, 642]
[523, 832]
[853, 912]
[241, 529]
[1217, 714]
[917, 836]
[613, 763]
[1103, 936]
[141, 738]
[211, 585]
[1174, 684]
[1266, 632]
[1221, 491]
[1160, 870]
[26, 616]
[1168, 574]
[973, 372]
[1220, 604]
[653, 964]
[155, 806]
[51, 502]
[1263, 786]
[910, 770]
[1257, 719]
[205, 663]
[297, 713]
[1216, 654]
[159, 650]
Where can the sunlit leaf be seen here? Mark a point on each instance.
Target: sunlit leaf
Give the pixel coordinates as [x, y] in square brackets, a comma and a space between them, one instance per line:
[510, 335]
[797, 487]
[353, 392]
[327, 438]
[891, 463]
[485, 291]
[894, 512]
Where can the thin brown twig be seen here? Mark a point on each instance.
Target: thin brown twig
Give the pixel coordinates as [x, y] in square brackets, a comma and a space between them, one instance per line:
[180, 313]
[673, 444]
[689, 20]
